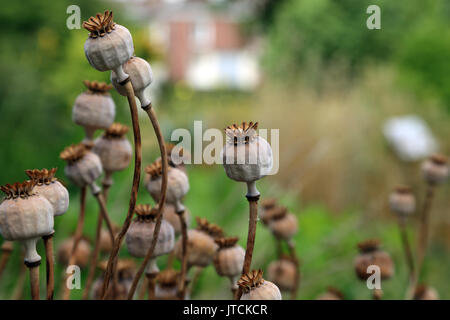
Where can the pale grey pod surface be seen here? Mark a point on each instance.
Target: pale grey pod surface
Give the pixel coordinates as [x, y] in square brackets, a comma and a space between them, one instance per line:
[403, 204]
[284, 228]
[201, 248]
[283, 274]
[266, 291]
[139, 238]
[433, 173]
[165, 292]
[177, 186]
[110, 51]
[56, 194]
[94, 111]
[141, 76]
[247, 162]
[85, 171]
[115, 154]
[228, 262]
[25, 219]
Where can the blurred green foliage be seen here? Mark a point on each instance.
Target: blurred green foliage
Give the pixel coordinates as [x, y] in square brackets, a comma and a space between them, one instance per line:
[414, 36]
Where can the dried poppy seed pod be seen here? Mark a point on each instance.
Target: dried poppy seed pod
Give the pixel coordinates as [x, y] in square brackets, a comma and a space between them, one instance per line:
[435, 169]
[283, 273]
[82, 253]
[109, 44]
[424, 292]
[176, 157]
[229, 259]
[170, 215]
[166, 284]
[254, 287]
[402, 201]
[267, 205]
[201, 247]
[49, 187]
[283, 225]
[331, 294]
[139, 235]
[94, 109]
[177, 184]
[105, 243]
[141, 76]
[83, 166]
[114, 150]
[370, 254]
[246, 156]
[25, 216]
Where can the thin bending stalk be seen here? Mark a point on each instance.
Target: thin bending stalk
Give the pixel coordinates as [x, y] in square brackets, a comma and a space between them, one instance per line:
[76, 241]
[182, 284]
[135, 188]
[50, 265]
[253, 219]
[161, 202]
[95, 253]
[33, 267]
[407, 248]
[293, 255]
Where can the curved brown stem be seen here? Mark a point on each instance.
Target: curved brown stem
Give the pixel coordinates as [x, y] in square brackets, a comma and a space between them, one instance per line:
[198, 272]
[253, 219]
[151, 282]
[407, 248]
[50, 265]
[7, 248]
[77, 238]
[143, 289]
[34, 279]
[161, 202]
[182, 284]
[135, 188]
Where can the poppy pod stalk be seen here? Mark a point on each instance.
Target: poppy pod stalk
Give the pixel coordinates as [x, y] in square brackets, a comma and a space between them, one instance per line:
[109, 44]
[141, 76]
[114, 150]
[247, 157]
[371, 254]
[254, 287]
[26, 216]
[94, 109]
[58, 196]
[229, 259]
[125, 271]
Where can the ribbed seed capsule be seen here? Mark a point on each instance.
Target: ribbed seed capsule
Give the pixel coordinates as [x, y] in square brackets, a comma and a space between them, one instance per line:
[371, 254]
[83, 166]
[201, 247]
[109, 45]
[81, 255]
[141, 76]
[284, 225]
[254, 287]
[402, 201]
[94, 109]
[166, 285]
[170, 215]
[283, 273]
[49, 187]
[25, 216]
[435, 169]
[229, 259]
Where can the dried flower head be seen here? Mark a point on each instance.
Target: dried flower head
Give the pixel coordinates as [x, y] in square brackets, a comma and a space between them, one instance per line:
[167, 278]
[96, 87]
[251, 280]
[19, 189]
[210, 228]
[269, 203]
[369, 245]
[241, 134]
[226, 242]
[99, 25]
[43, 176]
[424, 292]
[336, 292]
[74, 152]
[154, 169]
[145, 212]
[116, 131]
[436, 169]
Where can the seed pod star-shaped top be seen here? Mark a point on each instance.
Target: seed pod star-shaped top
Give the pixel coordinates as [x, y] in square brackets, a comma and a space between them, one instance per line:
[109, 44]
[256, 288]
[246, 156]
